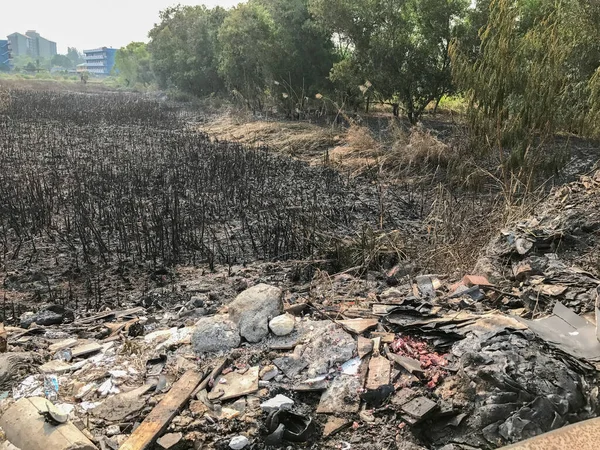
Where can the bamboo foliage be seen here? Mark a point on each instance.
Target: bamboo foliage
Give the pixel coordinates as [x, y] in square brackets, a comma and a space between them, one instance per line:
[530, 79]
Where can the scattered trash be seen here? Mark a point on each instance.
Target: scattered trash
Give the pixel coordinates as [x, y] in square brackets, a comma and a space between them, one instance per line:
[569, 332]
[288, 426]
[51, 387]
[475, 362]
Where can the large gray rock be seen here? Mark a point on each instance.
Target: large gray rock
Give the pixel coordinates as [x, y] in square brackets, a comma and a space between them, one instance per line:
[215, 334]
[50, 315]
[253, 308]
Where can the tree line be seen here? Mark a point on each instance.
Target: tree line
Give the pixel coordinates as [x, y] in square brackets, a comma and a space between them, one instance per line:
[523, 66]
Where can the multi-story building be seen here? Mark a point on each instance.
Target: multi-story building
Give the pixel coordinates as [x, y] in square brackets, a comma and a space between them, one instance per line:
[41, 47]
[5, 54]
[20, 44]
[100, 61]
[31, 44]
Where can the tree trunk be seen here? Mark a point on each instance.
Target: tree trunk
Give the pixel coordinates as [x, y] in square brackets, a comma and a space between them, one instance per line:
[437, 103]
[368, 105]
[396, 109]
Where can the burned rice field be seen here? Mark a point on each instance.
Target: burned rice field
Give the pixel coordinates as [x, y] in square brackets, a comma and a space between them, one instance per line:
[114, 179]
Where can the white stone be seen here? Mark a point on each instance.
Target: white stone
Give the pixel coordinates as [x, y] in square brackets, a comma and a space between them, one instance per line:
[113, 430]
[238, 442]
[277, 403]
[282, 325]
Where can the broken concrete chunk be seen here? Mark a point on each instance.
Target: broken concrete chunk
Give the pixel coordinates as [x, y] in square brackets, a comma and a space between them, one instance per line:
[215, 334]
[359, 326]
[253, 308]
[418, 409]
[291, 365]
[342, 396]
[282, 325]
[67, 343]
[169, 440]
[277, 403]
[335, 424]
[235, 384]
[329, 345]
[86, 350]
[27, 429]
[55, 366]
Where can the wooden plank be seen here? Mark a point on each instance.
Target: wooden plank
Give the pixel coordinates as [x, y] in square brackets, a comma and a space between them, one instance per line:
[109, 315]
[161, 416]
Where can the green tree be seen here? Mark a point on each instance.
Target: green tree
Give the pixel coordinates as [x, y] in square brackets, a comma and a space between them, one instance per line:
[133, 64]
[401, 46]
[304, 52]
[184, 49]
[61, 61]
[74, 55]
[247, 46]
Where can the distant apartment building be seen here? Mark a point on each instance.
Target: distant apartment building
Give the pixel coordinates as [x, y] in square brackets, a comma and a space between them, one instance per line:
[100, 61]
[20, 44]
[31, 44]
[5, 54]
[41, 47]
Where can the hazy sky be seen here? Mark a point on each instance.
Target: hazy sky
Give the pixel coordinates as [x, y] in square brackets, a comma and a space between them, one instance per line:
[88, 24]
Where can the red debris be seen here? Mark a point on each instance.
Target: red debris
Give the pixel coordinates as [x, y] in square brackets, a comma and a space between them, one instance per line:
[431, 362]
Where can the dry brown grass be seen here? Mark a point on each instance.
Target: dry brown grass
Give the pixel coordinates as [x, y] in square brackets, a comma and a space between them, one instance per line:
[358, 150]
[417, 149]
[5, 99]
[301, 140]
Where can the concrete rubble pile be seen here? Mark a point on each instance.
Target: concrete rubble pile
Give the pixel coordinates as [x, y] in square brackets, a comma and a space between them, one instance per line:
[376, 361]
